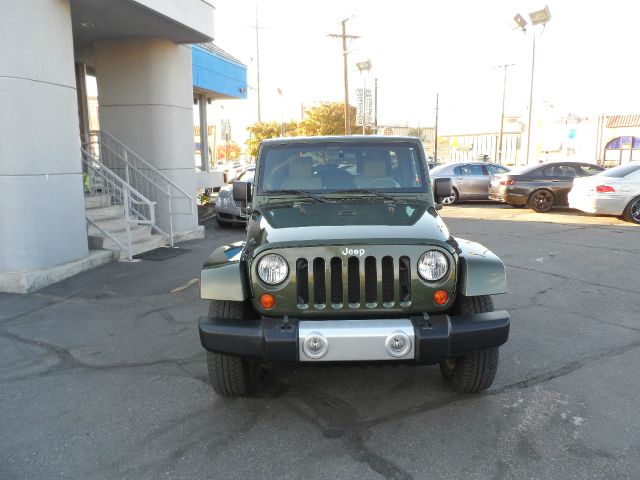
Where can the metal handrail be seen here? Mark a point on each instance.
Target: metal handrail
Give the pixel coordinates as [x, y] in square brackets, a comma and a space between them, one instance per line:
[136, 207]
[139, 173]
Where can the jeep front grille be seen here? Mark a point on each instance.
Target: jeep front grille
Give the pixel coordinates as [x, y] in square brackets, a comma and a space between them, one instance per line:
[353, 282]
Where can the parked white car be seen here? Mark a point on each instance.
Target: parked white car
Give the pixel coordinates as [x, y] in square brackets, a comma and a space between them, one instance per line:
[615, 191]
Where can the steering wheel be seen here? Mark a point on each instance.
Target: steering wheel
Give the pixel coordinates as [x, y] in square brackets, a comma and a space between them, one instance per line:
[385, 182]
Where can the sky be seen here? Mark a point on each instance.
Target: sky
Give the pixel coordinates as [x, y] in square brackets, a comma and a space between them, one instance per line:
[584, 63]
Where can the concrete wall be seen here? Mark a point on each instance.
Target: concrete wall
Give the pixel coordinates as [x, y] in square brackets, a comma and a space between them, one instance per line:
[42, 220]
[146, 101]
[195, 14]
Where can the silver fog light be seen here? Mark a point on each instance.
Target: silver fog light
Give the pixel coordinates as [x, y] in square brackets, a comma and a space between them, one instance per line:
[398, 344]
[315, 346]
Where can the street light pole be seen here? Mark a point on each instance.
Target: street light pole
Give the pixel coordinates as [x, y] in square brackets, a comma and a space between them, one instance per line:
[539, 17]
[504, 91]
[258, 63]
[533, 66]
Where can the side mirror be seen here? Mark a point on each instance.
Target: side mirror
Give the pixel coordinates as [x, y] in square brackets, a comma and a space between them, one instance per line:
[242, 192]
[442, 187]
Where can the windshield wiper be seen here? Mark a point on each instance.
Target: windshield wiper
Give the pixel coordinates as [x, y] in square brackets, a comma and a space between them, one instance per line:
[366, 190]
[302, 193]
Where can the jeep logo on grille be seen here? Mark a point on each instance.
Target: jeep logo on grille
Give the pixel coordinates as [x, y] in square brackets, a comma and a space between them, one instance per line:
[353, 251]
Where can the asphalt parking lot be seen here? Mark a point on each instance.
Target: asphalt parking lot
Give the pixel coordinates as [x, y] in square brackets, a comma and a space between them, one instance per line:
[103, 376]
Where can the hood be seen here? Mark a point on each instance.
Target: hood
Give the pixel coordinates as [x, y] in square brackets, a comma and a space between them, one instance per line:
[342, 223]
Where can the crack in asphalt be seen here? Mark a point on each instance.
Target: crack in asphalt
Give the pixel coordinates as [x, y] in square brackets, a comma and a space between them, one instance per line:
[565, 277]
[56, 301]
[533, 381]
[338, 420]
[67, 361]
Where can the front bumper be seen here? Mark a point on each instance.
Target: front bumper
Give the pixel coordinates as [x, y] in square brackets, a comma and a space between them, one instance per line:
[435, 337]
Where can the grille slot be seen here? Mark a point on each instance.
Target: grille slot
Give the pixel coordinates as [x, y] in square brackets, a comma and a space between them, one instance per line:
[302, 279]
[353, 280]
[336, 281]
[404, 280]
[319, 288]
[370, 280]
[387, 279]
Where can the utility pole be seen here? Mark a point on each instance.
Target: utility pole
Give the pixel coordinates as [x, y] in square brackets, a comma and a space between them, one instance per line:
[435, 145]
[344, 36]
[504, 91]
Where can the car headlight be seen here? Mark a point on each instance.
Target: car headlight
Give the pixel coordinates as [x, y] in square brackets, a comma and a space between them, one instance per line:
[225, 199]
[433, 265]
[273, 269]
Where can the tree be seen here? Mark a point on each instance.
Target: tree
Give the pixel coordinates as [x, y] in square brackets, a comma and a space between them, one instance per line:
[260, 131]
[228, 151]
[326, 119]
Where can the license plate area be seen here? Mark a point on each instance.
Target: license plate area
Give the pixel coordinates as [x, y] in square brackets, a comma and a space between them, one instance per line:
[355, 340]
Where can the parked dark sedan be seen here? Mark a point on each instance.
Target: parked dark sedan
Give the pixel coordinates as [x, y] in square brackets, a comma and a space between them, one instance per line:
[540, 187]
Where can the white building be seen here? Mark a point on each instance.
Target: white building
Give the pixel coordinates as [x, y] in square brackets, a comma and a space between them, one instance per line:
[149, 77]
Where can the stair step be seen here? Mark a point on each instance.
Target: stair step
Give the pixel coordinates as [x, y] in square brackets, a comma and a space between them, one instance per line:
[96, 201]
[98, 241]
[105, 213]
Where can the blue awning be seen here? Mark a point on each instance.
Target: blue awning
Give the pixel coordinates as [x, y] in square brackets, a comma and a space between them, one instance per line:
[217, 72]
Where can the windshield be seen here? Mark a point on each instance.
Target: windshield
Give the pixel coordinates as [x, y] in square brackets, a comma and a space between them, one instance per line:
[330, 167]
[621, 171]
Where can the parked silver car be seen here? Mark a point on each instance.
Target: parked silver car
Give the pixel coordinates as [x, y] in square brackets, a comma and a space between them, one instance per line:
[470, 179]
[228, 211]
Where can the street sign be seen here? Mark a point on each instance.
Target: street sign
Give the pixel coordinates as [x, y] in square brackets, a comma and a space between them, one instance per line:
[364, 107]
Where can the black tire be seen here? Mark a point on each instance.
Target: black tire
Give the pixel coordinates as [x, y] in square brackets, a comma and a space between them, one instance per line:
[632, 211]
[452, 199]
[541, 201]
[475, 371]
[232, 375]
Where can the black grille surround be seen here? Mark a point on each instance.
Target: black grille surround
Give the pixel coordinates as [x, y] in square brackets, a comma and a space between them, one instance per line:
[382, 280]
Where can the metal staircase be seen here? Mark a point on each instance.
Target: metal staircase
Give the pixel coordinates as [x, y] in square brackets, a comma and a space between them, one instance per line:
[130, 205]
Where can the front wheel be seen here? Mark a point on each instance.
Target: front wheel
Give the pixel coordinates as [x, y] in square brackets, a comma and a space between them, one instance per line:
[232, 375]
[632, 212]
[475, 371]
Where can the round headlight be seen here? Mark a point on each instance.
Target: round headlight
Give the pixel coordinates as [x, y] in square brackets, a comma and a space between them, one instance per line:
[273, 269]
[225, 199]
[433, 265]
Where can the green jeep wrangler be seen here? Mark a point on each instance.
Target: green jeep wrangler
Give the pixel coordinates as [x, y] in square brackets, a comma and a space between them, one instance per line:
[347, 260]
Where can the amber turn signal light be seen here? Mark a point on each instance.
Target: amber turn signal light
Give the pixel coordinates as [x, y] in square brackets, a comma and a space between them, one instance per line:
[268, 301]
[440, 297]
